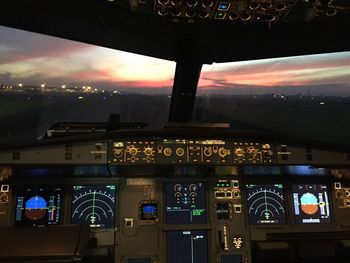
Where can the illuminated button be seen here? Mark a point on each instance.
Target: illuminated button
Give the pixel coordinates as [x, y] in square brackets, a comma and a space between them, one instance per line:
[238, 209]
[5, 188]
[224, 6]
[219, 194]
[236, 194]
[220, 15]
[337, 185]
[235, 184]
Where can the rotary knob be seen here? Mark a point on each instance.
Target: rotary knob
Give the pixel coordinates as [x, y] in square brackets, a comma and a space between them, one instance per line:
[208, 151]
[223, 152]
[268, 154]
[118, 153]
[168, 151]
[180, 152]
[132, 151]
[239, 152]
[148, 151]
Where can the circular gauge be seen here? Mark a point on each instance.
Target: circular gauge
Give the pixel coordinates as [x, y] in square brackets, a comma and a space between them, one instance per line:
[94, 205]
[35, 208]
[266, 204]
[193, 187]
[178, 187]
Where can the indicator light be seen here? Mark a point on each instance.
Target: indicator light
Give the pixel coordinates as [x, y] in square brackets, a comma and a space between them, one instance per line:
[224, 6]
[220, 15]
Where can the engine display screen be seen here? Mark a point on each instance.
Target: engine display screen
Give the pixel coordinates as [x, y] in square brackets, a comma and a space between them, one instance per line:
[311, 203]
[186, 247]
[94, 205]
[38, 206]
[266, 204]
[185, 203]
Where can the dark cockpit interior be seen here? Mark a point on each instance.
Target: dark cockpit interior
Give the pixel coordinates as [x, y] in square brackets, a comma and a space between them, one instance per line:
[189, 192]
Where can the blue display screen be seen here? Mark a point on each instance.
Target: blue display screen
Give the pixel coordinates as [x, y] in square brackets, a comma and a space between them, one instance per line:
[38, 206]
[311, 203]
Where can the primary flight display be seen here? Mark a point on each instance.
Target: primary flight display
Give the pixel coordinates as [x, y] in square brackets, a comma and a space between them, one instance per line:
[38, 206]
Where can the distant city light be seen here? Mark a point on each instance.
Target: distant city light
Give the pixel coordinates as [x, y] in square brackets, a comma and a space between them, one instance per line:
[63, 86]
[80, 98]
[20, 85]
[321, 103]
[42, 85]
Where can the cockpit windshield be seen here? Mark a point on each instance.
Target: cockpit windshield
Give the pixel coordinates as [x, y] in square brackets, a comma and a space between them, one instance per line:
[304, 96]
[45, 80]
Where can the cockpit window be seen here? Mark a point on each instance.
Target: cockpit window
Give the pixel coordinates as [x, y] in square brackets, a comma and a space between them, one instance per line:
[304, 96]
[44, 80]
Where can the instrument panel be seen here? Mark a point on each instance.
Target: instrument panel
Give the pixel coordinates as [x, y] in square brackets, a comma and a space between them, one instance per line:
[216, 200]
[194, 215]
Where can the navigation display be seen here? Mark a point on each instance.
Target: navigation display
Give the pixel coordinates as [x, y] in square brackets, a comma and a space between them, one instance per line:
[38, 206]
[94, 205]
[186, 247]
[311, 203]
[266, 204]
[185, 203]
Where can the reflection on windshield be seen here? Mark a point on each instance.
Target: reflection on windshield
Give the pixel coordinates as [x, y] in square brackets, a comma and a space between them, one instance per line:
[44, 80]
[306, 96]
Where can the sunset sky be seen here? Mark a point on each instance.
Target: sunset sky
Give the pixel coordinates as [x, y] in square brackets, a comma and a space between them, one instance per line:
[33, 59]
